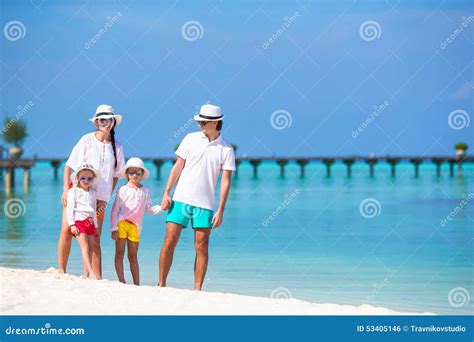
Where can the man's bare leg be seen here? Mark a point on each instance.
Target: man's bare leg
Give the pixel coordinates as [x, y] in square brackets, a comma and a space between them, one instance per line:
[201, 243]
[173, 231]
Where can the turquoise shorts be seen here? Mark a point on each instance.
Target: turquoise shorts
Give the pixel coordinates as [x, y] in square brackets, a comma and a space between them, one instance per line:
[181, 213]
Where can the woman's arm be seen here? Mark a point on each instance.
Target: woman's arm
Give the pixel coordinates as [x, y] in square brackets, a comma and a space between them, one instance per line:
[114, 214]
[114, 183]
[66, 183]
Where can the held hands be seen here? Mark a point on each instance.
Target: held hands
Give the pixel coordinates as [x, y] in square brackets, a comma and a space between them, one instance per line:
[217, 219]
[166, 201]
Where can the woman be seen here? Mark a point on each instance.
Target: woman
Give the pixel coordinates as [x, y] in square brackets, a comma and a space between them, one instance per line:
[101, 150]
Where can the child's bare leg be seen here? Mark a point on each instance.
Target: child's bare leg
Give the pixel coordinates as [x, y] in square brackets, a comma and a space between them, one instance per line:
[84, 244]
[90, 243]
[133, 259]
[119, 253]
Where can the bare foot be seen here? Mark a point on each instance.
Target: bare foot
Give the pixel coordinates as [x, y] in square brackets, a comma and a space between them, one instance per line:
[93, 276]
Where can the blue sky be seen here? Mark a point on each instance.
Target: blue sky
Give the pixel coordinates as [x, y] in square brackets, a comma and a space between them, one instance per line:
[319, 78]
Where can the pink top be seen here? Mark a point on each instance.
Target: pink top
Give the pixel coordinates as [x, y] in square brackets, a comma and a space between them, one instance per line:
[131, 204]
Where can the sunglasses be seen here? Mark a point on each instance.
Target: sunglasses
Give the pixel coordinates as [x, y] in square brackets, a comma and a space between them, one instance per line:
[104, 121]
[202, 123]
[86, 179]
[138, 173]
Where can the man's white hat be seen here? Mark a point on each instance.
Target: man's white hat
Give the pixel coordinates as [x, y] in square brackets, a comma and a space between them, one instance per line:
[89, 167]
[209, 112]
[106, 112]
[137, 163]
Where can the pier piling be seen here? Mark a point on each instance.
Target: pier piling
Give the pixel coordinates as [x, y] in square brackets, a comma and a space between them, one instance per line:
[302, 163]
[416, 162]
[349, 162]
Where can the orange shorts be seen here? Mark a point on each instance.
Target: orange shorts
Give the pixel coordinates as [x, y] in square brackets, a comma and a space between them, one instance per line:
[100, 214]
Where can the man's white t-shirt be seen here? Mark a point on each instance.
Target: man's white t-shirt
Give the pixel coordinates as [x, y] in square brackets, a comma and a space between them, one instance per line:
[203, 162]
[90, 150]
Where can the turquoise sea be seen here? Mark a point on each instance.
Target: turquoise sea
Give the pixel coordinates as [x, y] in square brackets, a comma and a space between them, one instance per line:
[379, 241]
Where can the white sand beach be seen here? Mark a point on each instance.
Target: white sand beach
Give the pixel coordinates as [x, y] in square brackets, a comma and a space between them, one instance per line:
[29, 292]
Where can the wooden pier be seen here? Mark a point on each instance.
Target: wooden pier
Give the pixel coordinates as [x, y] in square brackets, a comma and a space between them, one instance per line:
[8, 166]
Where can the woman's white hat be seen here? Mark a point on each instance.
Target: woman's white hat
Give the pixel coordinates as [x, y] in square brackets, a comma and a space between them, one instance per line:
[134, 162]
[209, 112]
[106, 112]
[89, 167]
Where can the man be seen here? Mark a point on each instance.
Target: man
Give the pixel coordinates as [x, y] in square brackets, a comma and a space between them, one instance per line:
[200, 158]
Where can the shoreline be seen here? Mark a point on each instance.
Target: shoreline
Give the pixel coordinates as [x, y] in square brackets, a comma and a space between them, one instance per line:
[30, 292]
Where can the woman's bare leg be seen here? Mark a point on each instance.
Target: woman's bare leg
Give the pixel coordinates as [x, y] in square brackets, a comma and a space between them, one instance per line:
[96, 250]
[119, 253]
[64, 244]
[133, 260]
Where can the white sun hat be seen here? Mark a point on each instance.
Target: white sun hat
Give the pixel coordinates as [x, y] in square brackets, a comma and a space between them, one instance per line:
[89, 167]
[209, 112]
[136, 163]
[106, 112]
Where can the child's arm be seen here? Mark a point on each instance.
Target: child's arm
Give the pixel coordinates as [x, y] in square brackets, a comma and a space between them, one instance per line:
[150, 208]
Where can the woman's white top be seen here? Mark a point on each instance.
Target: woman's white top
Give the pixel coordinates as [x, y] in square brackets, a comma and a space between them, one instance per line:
[81, 204]
[90, 150]
[131, 204]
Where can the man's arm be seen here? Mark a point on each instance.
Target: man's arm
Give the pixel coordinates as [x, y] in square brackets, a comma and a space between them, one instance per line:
[225, 187]
[172, 178]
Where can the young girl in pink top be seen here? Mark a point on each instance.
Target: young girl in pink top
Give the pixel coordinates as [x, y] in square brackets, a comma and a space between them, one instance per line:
[131, 202]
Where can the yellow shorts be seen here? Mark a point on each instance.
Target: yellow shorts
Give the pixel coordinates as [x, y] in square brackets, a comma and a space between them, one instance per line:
[128, 230]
